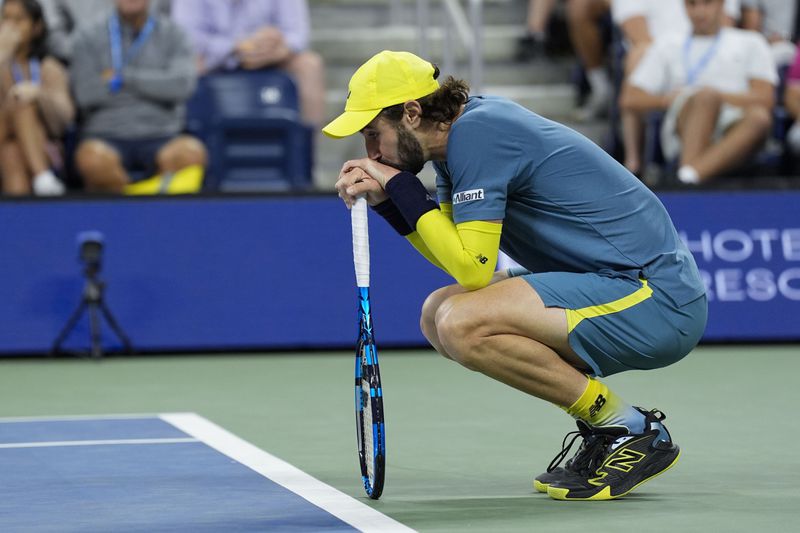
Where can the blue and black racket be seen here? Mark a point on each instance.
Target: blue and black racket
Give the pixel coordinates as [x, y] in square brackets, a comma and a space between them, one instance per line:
[370, 429]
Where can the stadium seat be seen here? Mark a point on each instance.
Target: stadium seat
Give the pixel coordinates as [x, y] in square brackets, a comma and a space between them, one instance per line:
[250, 123]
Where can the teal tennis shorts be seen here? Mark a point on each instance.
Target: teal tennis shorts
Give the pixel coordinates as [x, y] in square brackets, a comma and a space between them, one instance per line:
[619, 323]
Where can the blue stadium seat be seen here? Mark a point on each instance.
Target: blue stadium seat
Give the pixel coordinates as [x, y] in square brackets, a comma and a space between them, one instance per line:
[250, 123]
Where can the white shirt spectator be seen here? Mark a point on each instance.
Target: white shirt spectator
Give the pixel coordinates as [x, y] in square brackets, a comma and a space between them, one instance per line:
[726, 62]
[664, 17]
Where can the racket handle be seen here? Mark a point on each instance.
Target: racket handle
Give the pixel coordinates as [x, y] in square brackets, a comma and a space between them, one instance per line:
[360, 241]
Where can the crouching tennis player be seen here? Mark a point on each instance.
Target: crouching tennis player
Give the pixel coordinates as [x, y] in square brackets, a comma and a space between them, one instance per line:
[607, 284]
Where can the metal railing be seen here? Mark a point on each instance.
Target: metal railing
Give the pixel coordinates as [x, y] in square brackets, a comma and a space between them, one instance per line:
[459, 27]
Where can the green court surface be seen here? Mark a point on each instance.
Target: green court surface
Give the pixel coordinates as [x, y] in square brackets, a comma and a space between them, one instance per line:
[462, 449]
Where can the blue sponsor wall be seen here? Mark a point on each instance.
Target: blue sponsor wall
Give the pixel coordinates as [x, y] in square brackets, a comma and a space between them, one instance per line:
[274, 272]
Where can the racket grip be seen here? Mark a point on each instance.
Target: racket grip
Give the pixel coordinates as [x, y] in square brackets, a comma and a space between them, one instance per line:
[358, 216]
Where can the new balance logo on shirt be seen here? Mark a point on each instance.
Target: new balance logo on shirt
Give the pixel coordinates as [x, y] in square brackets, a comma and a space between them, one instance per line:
[467, 196]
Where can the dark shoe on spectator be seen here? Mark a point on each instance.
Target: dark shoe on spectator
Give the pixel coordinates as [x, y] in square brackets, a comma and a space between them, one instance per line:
[530, 47]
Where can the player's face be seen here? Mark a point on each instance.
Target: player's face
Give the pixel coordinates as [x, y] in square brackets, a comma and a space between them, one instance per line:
[706, 15]
[393, 144]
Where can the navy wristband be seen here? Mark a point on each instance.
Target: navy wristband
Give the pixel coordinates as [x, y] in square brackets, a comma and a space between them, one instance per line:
[410, 196]
[392, 215]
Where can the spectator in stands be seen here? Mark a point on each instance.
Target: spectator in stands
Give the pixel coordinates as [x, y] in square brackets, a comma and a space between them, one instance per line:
[717, 86]
[532, 44]
[583, 22]
[256, 34]
[132, 74]
[791, 100]
[641, 22]
[66, 17]
[776, 20]
[35, 103]
[583, 18]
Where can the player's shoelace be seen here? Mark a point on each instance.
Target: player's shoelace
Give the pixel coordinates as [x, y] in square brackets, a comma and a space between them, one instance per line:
[591, 449]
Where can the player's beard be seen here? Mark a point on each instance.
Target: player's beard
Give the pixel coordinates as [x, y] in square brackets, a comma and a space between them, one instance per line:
[409, 152]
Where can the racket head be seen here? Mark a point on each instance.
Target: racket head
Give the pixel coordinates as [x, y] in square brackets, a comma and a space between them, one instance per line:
[370, 428]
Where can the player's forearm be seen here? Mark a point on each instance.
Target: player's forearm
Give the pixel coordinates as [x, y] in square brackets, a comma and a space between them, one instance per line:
[419, 245]
[468, 252]
[394, 217]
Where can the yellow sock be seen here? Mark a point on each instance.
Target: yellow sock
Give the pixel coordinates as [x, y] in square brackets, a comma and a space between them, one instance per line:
[599, 406]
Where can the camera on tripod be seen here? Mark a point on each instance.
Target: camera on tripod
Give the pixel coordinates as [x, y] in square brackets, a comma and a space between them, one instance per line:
[90, 254]
[90, 251]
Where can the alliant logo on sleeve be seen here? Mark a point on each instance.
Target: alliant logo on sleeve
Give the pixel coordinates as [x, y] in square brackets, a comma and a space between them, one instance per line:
[467, 196]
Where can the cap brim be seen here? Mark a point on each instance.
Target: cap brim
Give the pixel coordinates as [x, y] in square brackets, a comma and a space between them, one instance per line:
[349, 122]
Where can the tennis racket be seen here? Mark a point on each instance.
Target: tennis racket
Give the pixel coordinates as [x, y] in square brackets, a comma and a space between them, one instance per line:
[369, 395]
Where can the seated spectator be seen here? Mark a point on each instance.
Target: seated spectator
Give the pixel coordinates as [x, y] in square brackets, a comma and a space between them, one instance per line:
[132, 74]
[532, 44]
[35, 100]
[583, 20]
[641, 22]
[65, 18]
[775, 19]
[255, 34]
[717, 86]
[791, 100]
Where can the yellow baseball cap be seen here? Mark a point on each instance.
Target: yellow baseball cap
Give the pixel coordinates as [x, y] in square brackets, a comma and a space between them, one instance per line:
[386, 79]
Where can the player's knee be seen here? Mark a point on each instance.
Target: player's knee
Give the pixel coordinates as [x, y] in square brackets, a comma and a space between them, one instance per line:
[457, 332]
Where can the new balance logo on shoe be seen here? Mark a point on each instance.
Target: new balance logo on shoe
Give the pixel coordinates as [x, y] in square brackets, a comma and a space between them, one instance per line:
[620, 441]
[598, 404]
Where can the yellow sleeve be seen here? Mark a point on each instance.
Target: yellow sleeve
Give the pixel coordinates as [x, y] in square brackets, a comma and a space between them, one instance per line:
[467, 251]
[416, 241]
[447, 209]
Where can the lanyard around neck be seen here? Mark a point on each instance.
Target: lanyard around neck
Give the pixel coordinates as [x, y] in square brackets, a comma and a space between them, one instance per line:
[33, 68]
[118, 61]
[693, 71]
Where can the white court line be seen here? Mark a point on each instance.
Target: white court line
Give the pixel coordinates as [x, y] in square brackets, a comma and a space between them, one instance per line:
[69, 418]
[339, 504]
[57, 443]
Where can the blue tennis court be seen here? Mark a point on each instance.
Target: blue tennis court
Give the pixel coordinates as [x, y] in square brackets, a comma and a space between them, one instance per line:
[169, 472]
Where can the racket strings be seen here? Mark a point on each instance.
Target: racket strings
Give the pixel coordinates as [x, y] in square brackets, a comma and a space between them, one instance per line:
[369, 437]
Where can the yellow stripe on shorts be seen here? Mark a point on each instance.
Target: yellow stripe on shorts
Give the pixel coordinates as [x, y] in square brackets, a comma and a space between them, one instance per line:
[575, 316]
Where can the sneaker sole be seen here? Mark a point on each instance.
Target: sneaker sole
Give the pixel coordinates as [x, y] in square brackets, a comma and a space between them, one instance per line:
[539, 486]
[605, 494]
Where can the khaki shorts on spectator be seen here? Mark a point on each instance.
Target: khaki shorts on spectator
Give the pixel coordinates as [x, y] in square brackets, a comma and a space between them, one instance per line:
[671, 143]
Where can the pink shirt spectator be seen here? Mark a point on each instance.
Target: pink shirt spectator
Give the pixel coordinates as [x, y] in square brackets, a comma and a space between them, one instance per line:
[794, 70]
[216, 26]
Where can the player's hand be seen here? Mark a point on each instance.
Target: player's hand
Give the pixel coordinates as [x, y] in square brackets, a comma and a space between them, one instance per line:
[377, 171]
[355, 182]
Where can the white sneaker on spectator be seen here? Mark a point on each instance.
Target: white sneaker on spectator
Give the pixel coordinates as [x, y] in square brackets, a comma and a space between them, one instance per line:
[47, 184]
[596, 107]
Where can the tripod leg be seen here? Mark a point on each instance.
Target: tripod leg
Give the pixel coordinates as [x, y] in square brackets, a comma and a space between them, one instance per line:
[116, 328]
[71, 321]
[94, 327]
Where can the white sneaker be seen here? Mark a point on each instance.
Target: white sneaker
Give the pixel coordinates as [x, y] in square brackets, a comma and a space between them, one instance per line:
[596, 107]
[47, 184]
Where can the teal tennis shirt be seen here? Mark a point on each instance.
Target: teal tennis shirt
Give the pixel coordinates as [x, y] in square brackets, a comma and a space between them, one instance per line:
[566, 205]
